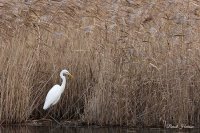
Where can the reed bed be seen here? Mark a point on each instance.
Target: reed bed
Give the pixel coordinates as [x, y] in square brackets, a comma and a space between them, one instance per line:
[135, 63]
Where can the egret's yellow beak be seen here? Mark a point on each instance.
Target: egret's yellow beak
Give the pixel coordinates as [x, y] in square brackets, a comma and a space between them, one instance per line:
[71, 76]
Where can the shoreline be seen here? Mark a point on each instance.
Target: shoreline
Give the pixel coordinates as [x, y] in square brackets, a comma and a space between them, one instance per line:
[80, 124]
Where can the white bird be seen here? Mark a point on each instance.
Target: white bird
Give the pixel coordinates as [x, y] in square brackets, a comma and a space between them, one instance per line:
[55, 92]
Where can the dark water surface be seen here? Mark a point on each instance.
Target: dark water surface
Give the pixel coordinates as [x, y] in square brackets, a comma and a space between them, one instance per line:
[54, 129]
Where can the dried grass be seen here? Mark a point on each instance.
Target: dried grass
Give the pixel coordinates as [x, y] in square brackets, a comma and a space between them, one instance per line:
[135, 63]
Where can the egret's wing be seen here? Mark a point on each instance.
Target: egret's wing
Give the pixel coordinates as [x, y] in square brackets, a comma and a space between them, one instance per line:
[52, 96]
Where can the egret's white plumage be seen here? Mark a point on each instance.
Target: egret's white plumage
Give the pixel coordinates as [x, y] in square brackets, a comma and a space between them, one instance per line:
[55, 92]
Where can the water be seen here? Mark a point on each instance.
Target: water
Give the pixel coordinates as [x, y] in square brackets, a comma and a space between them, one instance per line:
[46, 129]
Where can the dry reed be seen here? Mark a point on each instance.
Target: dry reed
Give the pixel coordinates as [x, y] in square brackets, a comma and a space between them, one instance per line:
[135, 63]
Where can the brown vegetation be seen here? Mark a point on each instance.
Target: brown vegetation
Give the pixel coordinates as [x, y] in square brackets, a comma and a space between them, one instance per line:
[135, 63]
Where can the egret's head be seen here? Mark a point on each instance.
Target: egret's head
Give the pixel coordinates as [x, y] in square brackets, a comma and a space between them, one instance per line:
[66, 73]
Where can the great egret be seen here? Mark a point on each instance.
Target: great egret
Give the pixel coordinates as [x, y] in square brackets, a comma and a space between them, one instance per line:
[55, 92]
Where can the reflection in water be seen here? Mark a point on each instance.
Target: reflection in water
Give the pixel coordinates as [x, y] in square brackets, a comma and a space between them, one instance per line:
[45, 129]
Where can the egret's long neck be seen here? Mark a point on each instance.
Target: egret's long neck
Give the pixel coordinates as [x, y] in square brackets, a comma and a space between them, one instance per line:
[63, 82]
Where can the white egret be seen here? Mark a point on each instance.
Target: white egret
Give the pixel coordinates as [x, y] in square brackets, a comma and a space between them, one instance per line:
[55, 92]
